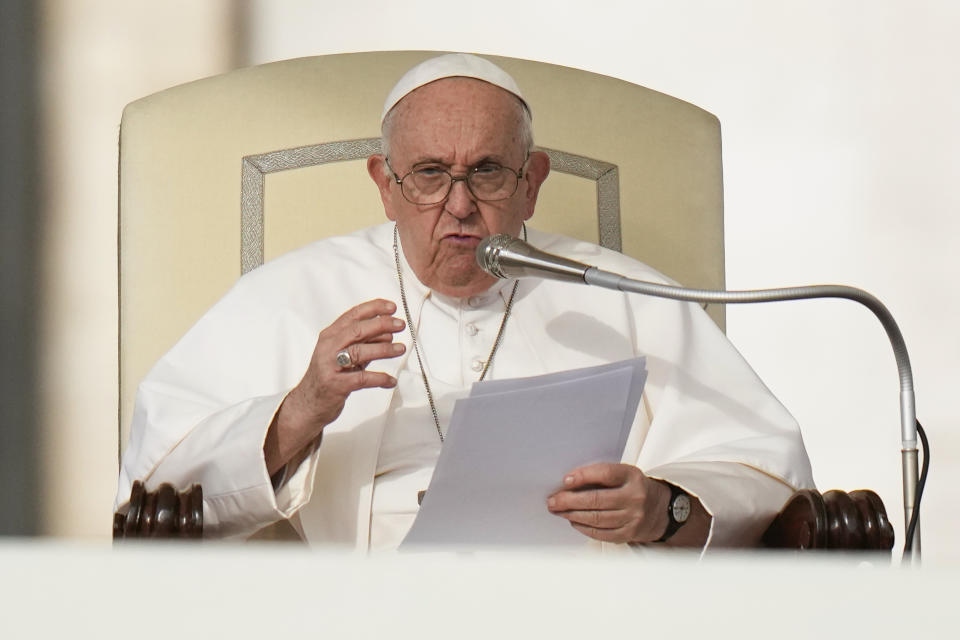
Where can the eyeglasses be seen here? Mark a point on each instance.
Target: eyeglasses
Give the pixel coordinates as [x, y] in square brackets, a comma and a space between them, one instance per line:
[431, 184]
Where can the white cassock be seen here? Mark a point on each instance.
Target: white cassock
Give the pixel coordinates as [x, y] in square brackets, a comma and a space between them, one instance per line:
[706, 421]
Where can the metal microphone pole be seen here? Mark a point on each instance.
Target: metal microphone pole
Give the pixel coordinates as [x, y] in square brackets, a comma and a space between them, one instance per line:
[506, 257]
[908, 416]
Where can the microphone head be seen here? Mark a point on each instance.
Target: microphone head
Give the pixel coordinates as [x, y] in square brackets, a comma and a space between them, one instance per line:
[488, 253]
[504, 256]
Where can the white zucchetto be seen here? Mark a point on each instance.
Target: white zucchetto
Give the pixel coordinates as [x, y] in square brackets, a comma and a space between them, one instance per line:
[452, 65]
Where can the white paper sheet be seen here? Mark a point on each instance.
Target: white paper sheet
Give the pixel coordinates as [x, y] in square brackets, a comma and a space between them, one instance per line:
[508, 447]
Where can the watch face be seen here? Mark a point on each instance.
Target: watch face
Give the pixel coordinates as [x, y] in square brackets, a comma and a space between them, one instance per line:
[681, 508]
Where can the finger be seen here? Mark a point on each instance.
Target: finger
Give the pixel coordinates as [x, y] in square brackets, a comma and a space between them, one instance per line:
[363, 379]
[363, 330]
[354, 325]
[603, 535]
[604, 474]
[383, 337]
[615, 519]
[363, 354]
[586, 500]
[369, 309]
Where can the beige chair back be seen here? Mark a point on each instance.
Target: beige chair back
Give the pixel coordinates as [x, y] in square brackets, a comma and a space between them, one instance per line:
[220, 174]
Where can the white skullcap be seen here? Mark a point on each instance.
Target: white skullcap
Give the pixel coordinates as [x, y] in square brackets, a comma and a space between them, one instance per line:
[452, 65]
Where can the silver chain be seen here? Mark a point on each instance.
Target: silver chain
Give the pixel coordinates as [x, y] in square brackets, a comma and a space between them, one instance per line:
[413, 331]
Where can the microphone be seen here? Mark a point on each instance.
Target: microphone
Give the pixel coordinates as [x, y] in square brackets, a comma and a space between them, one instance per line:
[504, 256]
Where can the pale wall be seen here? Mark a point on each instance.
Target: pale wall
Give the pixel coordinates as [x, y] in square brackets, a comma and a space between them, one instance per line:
[96, 56]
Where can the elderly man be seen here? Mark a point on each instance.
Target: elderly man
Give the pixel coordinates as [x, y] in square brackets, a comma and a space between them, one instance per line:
[308, 393]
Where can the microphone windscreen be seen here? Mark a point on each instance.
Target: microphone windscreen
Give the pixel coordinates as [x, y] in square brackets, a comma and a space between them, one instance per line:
[488, 253]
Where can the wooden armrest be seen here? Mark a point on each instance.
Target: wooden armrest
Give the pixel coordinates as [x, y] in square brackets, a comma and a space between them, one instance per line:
[163, 513]
[833, 520]
[809, 520]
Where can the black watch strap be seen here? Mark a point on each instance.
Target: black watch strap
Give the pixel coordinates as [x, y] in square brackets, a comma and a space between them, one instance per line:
[679, 505]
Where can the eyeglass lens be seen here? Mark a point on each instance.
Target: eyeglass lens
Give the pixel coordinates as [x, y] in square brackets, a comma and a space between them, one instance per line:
[430, 185]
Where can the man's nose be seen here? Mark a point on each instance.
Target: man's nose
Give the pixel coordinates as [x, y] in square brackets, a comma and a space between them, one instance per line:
[460, 201]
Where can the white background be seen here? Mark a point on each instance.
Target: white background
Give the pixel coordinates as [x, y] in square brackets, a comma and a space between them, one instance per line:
[840, 165]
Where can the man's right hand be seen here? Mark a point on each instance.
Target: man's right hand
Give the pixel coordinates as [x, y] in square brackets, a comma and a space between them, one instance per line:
[366, 332]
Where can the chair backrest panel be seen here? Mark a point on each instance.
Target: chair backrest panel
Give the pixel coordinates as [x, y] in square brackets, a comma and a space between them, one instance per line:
[293, 198]
[185, 200]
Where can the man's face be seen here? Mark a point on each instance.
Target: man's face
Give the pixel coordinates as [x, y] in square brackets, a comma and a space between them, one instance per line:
[456, 123]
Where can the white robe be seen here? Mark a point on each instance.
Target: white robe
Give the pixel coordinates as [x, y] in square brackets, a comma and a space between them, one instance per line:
[706, 423]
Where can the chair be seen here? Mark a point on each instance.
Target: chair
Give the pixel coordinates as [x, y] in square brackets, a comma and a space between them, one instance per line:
[220, 174]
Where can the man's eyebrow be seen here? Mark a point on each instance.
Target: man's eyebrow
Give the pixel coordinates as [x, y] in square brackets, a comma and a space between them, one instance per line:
[429, 160]
[488, 159]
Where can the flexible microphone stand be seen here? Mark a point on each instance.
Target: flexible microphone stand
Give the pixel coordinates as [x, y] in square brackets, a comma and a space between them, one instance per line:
[508, 257]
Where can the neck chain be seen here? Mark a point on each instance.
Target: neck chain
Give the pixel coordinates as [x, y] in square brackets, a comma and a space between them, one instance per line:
[413, 330]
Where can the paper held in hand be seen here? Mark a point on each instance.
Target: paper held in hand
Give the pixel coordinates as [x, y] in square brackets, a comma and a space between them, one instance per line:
[508, 447]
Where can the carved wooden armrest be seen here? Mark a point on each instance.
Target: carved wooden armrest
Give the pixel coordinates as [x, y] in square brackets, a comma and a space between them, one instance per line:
[834, 520]
[809, 520]
[163, 513]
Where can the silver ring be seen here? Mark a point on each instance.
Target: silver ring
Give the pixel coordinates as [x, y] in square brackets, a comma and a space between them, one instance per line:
[344, 360]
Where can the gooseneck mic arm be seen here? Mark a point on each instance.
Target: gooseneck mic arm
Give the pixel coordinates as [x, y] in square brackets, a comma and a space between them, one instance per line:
[504, 256]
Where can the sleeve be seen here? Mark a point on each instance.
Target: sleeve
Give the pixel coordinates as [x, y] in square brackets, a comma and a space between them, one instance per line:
[203, 411]
[223, 451]
[714, 428]
[741, 500]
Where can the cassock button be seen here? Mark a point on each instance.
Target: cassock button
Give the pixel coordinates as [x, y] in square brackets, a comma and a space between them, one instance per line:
[472, 329]
[477, 366]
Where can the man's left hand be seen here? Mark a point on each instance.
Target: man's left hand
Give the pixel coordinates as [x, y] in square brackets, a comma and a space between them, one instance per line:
[613, 503]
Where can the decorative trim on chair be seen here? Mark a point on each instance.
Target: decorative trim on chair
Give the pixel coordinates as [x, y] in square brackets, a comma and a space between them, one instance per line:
[256, 167]
[255, 170]
[607, 177]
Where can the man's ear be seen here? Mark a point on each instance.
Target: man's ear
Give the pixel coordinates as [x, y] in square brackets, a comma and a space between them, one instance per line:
[383, 178]
[538, 168]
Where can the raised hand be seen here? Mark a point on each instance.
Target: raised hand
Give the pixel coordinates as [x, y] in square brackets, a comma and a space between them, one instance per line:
[364, 334]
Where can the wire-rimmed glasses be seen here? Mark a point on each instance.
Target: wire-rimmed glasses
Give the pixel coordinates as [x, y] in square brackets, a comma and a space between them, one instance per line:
[431, 183]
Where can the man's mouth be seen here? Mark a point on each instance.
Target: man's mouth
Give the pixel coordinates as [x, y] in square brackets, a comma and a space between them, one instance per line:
[462, 239]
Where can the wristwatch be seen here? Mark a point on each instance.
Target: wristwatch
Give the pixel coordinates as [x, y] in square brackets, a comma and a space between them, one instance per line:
[678, 510]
